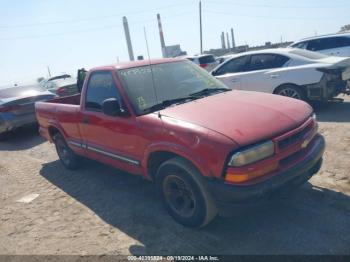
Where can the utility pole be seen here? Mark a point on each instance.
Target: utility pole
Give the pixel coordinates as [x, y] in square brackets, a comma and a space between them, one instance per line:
[200, 25]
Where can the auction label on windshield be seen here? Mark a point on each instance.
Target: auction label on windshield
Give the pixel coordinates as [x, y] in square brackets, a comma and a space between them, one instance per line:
[173, 258]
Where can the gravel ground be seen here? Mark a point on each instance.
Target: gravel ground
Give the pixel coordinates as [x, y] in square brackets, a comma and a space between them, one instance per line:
[99, 210]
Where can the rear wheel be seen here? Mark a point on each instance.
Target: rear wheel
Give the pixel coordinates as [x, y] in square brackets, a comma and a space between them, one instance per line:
[67, 157]
[3, 136]
[292, 91]
[184, 194]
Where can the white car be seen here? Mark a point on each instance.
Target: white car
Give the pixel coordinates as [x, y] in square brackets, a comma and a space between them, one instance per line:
[206, 61]
[335, 45]
[289, 72]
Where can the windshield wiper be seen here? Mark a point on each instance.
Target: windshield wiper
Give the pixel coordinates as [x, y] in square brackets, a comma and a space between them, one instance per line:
[209, 91]
[169, 102]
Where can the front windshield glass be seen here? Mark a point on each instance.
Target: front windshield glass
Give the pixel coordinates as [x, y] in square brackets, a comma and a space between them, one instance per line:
[171, 81]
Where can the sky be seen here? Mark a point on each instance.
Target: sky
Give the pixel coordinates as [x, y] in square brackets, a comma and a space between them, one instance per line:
[65, 35]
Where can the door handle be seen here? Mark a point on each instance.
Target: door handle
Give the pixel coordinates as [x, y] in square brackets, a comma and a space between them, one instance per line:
[85, 120]
[274, 76]
[234, 80]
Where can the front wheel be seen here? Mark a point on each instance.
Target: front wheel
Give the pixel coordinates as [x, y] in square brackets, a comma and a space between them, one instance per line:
[291, 91]
[184, 195]
[3, 136]
[67, 157]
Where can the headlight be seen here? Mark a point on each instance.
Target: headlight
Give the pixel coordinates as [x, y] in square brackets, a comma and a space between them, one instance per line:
[252, 154]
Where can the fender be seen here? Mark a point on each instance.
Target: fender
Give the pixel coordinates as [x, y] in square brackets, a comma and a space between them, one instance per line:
[182, 151]
[55, 124]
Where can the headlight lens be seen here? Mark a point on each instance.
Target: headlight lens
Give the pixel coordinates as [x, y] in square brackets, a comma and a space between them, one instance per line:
[252, 154]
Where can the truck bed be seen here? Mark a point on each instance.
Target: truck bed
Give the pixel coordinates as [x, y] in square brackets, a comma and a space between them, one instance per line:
[63, 113]
[71, 100]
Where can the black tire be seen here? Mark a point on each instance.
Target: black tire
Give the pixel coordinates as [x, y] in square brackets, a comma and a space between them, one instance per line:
[67, 157]
[292, 91]
[3, 136]
[184, 193]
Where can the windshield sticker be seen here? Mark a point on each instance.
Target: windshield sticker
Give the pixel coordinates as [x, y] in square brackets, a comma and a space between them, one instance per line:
[197, 72]
[141, 70]
[141, 102]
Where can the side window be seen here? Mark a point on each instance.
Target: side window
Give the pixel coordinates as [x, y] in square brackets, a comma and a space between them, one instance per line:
[321, 44]
[206, 59]
[101, 86]
[341, 41]
[315, 45]
[50, 85]
[280, 60]
[267, 61]
[301, 45]
[235, 65]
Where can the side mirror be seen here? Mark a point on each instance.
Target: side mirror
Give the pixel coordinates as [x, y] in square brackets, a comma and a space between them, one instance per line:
[213, 73]
[111, 107]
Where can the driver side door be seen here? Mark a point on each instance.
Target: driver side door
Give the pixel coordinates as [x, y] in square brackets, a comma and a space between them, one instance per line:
[231, 72]
[110, 139]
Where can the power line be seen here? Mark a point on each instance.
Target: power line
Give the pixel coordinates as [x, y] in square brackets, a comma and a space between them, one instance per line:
[270, 17]
[87, 18]
[107, 27]
[273, 6]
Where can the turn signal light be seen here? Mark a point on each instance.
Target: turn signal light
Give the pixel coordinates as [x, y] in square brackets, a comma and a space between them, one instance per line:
[246, 176]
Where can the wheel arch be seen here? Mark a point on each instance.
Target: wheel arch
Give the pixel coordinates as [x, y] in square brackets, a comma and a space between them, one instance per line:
[53, 130]
[288, 84]
[158, 156]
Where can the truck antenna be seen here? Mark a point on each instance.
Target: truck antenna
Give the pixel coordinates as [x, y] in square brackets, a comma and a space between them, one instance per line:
[151, 68]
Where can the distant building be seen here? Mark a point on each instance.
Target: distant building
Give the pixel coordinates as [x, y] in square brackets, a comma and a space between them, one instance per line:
[174, 51]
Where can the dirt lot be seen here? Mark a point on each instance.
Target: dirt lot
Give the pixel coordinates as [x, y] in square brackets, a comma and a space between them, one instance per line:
[99, 210]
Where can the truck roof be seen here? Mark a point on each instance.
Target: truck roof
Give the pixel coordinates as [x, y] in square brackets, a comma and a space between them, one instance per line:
[138, 63]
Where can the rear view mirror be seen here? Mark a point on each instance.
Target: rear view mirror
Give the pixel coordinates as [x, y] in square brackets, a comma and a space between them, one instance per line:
[111, 107]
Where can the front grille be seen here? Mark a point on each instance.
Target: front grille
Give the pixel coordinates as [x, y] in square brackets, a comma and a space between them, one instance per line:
[291, 158]
[290, 140]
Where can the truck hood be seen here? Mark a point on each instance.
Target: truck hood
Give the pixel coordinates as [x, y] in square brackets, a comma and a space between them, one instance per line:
[243, 116]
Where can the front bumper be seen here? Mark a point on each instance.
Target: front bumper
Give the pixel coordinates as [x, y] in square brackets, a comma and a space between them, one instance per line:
[225, 194]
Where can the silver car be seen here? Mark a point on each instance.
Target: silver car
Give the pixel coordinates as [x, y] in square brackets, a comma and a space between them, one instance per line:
[17, 106]
[206, 61]
[61, 86]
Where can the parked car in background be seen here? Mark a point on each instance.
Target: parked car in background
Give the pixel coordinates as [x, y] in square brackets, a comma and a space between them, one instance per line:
[291, 72]
[61, 86]
[206, 147]
[208, 62]
[223, 58]
[334, 45]
[64, 76]
[17, 106]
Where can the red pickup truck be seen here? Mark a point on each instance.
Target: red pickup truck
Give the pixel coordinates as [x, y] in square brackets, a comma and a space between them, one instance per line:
[205, 146]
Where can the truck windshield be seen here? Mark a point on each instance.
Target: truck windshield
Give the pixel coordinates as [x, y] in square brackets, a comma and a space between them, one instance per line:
[172, 81]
